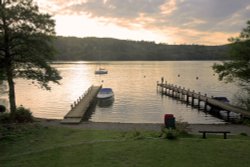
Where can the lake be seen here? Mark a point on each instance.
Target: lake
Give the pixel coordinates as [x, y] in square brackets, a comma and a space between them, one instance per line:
[134, 85]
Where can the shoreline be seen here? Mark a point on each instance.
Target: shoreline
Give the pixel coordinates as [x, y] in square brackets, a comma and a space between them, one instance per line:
[235, 129]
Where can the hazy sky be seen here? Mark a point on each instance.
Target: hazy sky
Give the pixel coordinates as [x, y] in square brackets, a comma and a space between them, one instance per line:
[209, 22]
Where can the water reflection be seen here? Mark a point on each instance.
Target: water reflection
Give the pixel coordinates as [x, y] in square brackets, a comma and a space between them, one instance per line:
[106, 102]
[134, 84]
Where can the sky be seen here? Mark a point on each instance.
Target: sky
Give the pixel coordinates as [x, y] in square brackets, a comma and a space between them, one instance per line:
[205, 22]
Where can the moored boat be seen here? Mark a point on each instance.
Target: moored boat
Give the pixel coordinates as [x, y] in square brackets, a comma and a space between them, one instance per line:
[231, 115]
[221, 99]
[105, 93]
[101, 71]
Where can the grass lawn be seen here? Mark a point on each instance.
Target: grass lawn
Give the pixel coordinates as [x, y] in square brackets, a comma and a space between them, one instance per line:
[34, 145]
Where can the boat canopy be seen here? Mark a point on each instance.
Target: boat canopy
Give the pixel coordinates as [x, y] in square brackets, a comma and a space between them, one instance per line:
[223, 99]
[105, 90]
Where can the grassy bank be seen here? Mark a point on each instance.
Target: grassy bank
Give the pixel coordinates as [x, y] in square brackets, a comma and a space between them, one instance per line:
[34, 145]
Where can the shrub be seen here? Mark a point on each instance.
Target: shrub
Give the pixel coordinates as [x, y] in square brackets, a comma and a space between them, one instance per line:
[5, 118]
[170, 134]
[182, 128]
[23, 115]
[2, 108]
[243, 134]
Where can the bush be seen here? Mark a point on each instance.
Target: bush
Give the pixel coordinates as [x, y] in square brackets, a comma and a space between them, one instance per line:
[170, 134]
[182, 128]
[5, 118]
[23, 115]
[2, 108]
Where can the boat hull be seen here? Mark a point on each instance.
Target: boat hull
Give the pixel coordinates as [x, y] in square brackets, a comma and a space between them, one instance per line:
[101, 71]
[105, 93]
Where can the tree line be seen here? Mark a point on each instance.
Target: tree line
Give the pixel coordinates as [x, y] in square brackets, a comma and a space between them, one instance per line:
[91, 48]
[26, 48]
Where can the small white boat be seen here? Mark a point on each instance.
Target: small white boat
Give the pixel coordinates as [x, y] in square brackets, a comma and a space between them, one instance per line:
[232, 115]
[105, 93]
[101, 71]
[105, 103]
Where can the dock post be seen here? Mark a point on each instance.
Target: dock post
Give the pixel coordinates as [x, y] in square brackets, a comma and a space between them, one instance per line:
[176, 91]
[187, 98]
[173, 92]
[205, 107]
[199, 100]
[228, 115]
[157, 86]
[182, 93]
[192, 103]
[162, 86]
[166, 88]
[162, 80]
[179, 92]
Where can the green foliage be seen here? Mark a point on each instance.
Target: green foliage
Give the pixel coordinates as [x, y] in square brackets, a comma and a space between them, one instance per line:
[243, 98]
[182, 128]
[169, 133]
[2, 108]
[5, 118]
[72, 48]
[238, 69]
[26, 39]
[243, 134]
[23, 115]
[25, 45]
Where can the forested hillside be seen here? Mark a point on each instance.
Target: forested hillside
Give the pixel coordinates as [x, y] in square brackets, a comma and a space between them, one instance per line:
[72, 48]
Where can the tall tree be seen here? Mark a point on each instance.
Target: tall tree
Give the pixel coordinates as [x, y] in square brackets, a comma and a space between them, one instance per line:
[25, 45]
[238, 68]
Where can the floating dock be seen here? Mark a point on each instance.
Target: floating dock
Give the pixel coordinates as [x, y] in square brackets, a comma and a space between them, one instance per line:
[185, 95]
[79, 108]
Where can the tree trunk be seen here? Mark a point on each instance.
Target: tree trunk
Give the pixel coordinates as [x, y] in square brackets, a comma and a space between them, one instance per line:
[8, 62]
[12, 98]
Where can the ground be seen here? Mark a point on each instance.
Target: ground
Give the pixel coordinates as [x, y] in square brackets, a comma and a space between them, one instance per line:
[192, 128]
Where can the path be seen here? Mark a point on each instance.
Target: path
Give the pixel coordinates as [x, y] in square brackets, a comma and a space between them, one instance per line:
[193, 128]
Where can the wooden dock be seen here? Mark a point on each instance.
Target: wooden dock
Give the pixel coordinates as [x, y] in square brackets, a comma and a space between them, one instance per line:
[190, 96]
[79, 107]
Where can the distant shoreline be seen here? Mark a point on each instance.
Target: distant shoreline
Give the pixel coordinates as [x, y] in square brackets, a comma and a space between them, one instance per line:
[110, 49]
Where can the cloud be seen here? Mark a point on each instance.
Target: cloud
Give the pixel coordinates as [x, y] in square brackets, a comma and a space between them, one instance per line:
[198, 18]
[212, 13]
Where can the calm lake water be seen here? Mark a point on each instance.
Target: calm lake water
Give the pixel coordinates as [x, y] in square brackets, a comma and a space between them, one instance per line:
[134, 86]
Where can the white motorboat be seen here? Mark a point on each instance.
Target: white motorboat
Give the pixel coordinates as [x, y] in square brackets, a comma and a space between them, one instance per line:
[101, 71]
[105, 93]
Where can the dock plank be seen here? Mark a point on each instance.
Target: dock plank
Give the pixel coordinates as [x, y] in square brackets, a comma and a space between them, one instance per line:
[76, 113]
[208, 100]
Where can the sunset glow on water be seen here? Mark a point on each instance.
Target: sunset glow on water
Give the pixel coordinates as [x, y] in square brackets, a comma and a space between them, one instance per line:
[134, 86]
